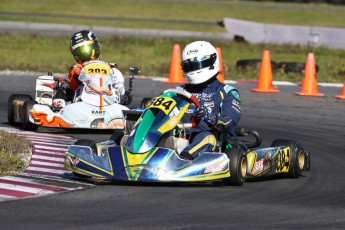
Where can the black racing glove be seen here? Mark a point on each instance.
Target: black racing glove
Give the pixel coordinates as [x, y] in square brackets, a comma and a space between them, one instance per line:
[202, 113]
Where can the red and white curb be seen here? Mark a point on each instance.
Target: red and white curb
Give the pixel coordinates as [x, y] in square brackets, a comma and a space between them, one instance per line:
[45, 174]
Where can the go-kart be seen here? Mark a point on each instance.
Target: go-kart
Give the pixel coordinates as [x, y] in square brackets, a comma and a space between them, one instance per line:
[56, 106]
[154, 138]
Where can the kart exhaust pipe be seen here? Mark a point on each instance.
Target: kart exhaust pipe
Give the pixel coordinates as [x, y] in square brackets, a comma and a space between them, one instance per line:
[241, 132]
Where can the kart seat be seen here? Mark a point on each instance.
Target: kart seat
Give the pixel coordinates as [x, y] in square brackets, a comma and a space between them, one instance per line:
[124, 139]
[130, 118]
[171, 142]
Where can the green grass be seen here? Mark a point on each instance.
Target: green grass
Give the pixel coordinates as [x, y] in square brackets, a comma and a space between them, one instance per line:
[153, 56]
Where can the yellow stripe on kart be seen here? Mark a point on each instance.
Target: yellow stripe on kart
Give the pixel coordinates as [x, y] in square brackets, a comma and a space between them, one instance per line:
[130, 159]
[207, 177]
[174, 121]
[111, 172]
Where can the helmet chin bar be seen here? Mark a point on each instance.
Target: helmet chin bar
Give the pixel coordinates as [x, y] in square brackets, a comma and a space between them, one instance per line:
[206, 83]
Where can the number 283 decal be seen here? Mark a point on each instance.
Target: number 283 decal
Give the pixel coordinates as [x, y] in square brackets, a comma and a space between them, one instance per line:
[163, 103]
[97, 68]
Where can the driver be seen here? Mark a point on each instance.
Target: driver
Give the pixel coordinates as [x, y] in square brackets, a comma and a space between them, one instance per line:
[85, 48]
[220, 103]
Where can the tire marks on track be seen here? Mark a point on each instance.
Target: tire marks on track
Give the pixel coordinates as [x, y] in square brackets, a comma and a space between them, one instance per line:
[45, 174]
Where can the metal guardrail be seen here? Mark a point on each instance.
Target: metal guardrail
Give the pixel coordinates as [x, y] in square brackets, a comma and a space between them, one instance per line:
[254, 32]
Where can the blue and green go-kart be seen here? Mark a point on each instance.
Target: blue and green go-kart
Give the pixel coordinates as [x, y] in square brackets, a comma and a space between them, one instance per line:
[149, 150]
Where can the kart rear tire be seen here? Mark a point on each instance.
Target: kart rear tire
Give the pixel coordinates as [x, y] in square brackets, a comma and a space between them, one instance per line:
[88, 143]
[297, 156]
[26, 124]
[238, 166]
[10, 109]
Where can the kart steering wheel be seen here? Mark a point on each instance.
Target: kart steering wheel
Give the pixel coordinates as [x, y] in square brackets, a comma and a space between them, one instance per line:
[192, 100]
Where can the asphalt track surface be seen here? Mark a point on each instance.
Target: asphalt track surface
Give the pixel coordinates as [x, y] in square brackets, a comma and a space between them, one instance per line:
[313, 201]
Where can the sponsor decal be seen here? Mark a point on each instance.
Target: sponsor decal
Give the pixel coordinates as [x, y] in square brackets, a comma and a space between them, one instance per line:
[173, 121]
[190, 111]
[262, 164]
[104, 152]
[98, 113]
[73, 160]
[192, 51]
[236, 106]
[215, 168]
[209, 104]
[203, 96]
[176, 111]
[59, 103]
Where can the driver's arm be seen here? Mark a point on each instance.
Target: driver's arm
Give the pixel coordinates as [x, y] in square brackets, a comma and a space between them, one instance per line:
[118, 81]
[230, 110]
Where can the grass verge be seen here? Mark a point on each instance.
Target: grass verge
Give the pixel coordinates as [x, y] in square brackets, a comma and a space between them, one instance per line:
[14, 151]
[153, 56]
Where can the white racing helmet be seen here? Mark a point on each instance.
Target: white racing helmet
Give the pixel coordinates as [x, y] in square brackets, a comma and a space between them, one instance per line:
[199, 62]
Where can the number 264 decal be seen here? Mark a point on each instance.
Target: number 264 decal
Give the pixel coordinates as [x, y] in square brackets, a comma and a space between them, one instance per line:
[163, 103]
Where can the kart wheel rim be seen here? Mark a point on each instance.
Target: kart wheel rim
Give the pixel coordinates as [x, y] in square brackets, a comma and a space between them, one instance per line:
[243, 167]
[301, 160]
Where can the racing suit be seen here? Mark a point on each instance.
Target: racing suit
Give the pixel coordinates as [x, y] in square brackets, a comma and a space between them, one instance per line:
[222, 102]
[78, 77]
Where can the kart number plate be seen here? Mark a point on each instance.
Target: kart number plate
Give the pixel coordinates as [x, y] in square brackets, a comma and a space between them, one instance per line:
[283, 161]
[163, 103]
[97, 68]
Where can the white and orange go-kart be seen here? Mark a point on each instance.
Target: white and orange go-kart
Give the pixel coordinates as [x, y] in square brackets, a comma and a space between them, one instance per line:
[55, 106]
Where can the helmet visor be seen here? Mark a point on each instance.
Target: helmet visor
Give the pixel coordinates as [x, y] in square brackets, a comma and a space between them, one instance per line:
[85, 51]
[196, 63]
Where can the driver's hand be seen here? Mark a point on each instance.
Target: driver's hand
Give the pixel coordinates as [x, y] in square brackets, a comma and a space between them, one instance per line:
[202, 113]
[77, 69]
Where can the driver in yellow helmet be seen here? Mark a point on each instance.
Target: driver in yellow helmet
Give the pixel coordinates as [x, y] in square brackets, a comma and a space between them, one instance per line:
[85, 48]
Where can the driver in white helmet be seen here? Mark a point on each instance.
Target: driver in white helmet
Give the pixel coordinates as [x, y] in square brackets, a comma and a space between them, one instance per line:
[220, 103]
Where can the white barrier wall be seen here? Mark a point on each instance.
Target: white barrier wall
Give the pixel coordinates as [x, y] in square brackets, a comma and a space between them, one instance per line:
[254, 32]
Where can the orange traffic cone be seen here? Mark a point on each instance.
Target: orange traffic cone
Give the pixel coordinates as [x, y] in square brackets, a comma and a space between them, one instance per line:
[176, 73]
[309, 84]
[221, 69]
[342, 96]
[265, 78]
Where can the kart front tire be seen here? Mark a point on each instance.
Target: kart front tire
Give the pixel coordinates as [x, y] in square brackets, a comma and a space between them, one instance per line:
[88, 143]
[297, 156]
[10, 107]
[26, 124]
[238, 167]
